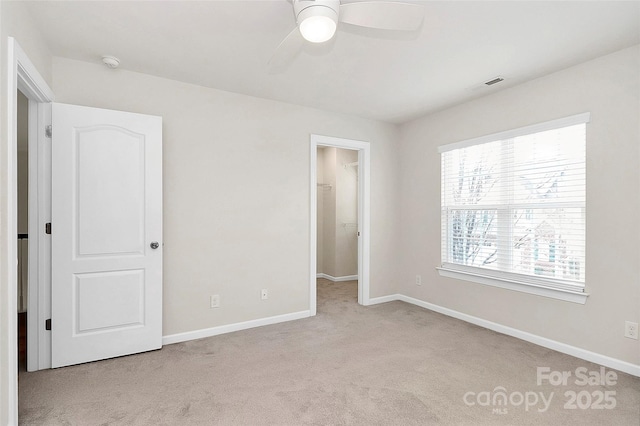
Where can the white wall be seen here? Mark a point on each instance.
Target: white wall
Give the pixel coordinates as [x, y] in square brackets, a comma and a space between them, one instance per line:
[16, 22]
[236, 192]
[609, 88]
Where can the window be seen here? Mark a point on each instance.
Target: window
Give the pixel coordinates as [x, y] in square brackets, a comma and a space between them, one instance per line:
[513, 208]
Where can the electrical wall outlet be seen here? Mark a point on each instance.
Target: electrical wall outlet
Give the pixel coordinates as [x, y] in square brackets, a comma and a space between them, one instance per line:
[418, 279]
[631, 330]
[215, 301]
[264, 295]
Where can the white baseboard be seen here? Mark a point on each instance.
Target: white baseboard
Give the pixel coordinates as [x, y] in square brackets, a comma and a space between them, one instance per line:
[337, 279]
[594, 357]
[597, 358]
[229, 328]
[384, 299]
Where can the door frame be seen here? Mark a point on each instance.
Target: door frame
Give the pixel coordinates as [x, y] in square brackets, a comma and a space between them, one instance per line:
[23, 76]
[364, 213]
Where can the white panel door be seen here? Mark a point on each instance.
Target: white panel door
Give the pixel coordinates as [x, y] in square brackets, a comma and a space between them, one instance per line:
[106, 184]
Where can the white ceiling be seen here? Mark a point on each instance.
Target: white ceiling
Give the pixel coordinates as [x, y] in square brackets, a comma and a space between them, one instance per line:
[369, 73]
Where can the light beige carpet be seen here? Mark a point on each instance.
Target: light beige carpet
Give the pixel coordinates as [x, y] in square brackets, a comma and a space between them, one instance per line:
[390, 364]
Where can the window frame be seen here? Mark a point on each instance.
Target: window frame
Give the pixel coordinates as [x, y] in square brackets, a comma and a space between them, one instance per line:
[567, 290]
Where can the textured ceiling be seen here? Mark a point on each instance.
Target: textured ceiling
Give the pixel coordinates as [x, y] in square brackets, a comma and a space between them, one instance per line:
[370, 73]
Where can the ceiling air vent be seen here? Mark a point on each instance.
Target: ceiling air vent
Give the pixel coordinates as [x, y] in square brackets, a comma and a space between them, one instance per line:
[494, 81]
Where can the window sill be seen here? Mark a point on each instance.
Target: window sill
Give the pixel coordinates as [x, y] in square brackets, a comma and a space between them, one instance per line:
[510, 284]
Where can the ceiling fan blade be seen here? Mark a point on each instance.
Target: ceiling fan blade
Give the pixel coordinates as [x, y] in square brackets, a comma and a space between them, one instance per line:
[286, 52]
[383, 15]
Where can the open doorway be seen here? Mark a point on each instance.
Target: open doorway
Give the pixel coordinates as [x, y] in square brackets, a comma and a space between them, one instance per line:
[24, 80]
[22, 133]
[339, 236]
[337, 224]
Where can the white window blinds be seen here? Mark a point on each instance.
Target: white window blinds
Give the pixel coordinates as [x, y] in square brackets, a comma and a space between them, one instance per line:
[513, 204]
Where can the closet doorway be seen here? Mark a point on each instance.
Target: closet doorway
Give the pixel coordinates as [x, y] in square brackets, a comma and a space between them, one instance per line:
[337, 223]
[339, 214]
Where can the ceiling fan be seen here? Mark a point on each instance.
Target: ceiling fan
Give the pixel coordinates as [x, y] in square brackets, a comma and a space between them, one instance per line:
[317, 21]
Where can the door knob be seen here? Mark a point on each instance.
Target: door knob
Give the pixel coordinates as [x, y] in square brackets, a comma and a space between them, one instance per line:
[154, 245]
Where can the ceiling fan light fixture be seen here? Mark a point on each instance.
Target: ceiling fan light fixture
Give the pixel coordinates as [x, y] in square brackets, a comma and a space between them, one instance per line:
[317, 24]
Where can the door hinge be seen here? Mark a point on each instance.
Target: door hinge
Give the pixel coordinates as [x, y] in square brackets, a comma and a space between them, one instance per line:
[47, 324]
[48, 131]
[47, 228]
